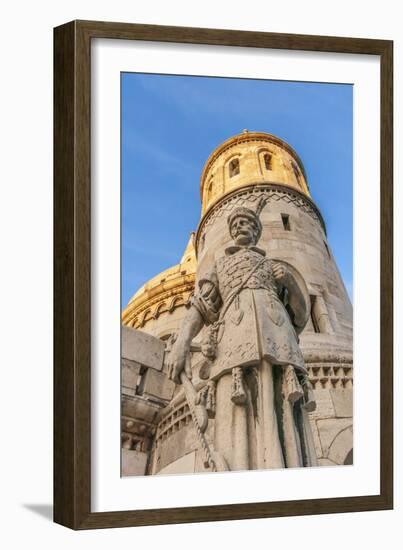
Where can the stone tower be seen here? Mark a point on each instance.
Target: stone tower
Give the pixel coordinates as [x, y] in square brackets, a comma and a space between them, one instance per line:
[157, 431]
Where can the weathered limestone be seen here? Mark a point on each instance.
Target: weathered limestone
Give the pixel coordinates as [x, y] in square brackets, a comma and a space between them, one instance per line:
[238, 174]
[184, 465]
[342, 403]
[145, 391]
[156, 384]
[130, 376]
[336, 438]
[134, 462]
[140, 347]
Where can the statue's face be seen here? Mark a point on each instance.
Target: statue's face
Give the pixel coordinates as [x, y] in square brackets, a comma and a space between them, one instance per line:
[243, 231]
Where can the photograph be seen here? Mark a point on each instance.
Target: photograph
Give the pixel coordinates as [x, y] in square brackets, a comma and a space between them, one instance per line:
[236, 274]
[199, 209]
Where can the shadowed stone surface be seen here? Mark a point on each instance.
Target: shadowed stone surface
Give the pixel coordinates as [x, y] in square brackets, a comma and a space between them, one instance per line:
[133, 461]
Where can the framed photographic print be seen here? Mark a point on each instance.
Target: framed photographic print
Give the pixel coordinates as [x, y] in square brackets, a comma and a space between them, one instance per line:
[223, 275]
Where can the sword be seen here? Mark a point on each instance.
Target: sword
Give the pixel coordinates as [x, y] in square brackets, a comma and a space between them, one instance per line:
[198, 411]
[212, 459]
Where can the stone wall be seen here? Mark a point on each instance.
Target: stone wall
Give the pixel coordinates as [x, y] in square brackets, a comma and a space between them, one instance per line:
[146, 390]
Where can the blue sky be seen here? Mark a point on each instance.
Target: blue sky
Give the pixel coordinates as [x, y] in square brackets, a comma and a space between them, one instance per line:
[171, 124]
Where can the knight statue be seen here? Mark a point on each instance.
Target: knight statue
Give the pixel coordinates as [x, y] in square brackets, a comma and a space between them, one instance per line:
[253, 309]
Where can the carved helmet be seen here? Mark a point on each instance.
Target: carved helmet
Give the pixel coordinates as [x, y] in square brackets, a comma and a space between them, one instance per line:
[250, 214]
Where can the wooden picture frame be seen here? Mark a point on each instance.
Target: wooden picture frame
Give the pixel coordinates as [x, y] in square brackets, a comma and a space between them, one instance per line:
[72, 272]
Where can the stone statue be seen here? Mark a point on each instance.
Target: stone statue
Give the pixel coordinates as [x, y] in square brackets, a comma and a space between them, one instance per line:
[253, 309]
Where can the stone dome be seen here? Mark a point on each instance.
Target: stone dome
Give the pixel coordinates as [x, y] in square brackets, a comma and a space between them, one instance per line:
[164, 293]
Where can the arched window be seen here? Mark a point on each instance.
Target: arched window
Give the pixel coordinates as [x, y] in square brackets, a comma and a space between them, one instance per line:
[233, 168]
[210, 190]
[296, 172]
[267, 158]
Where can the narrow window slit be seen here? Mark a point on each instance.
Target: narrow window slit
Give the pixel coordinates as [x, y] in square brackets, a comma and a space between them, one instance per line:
[313, 316]
[285, 218]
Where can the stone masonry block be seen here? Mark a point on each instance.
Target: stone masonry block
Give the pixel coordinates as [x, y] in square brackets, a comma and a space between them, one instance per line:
[142, 348]
[139, 408]
[130, 373]
[329, 429]
[134, 463]
[324, 405]
[342, 402]
[316, 439]
[182, 465]
[157, 384]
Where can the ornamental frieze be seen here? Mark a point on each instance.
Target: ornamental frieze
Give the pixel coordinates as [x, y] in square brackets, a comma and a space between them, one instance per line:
[249, 197]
